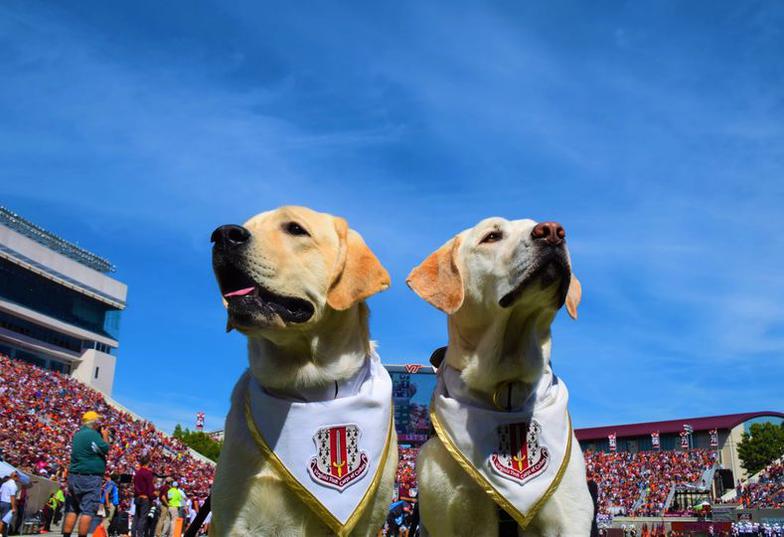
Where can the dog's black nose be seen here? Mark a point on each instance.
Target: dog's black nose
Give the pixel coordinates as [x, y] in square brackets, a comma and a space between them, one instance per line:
[552, 232]
[230, 236]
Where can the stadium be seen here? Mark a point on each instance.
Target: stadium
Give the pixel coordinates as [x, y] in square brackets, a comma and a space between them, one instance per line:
[59, 308]
[232, 235]
[59, 340]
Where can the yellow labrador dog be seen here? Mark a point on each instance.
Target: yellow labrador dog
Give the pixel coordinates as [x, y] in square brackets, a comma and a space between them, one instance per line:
[505, 455]
[310, 448]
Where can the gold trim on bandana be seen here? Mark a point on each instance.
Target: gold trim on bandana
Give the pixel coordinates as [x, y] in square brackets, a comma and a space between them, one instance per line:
[522, 519]
[341, 530]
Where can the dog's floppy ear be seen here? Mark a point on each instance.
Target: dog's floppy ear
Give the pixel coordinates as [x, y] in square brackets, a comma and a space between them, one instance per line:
[437, 279]
[573, 296]
[358, 273]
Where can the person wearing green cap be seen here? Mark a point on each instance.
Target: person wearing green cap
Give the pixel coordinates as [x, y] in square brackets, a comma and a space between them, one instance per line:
[85, 474]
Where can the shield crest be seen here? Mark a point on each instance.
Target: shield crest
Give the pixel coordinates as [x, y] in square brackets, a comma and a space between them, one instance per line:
[519, 457]
[339, 462]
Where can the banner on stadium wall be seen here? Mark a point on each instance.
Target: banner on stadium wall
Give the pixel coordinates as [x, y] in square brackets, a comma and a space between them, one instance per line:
[714, 438]
[684, 440]
[655, 442]
[613, 442]
[711, 528]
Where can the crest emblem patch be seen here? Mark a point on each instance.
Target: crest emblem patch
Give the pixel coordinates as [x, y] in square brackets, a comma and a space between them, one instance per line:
[519, 457]
[339, 462]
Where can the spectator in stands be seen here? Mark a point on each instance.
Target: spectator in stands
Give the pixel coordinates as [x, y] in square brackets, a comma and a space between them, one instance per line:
[40, 409]
[175, 499]
[21, 503]
[110, 495]
[767, 492]
[637, 484]
[406, 474]
[48, 512]
[59, 495]
[85, 473]
[192, 510]
[8, 491]
[143, 494]
[162, 527]
[186, 502]
[396, 518]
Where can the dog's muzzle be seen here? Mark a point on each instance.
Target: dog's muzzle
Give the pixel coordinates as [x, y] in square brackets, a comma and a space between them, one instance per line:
[249, 303]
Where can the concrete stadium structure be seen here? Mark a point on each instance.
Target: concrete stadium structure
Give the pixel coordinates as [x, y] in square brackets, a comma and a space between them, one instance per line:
[59, 308]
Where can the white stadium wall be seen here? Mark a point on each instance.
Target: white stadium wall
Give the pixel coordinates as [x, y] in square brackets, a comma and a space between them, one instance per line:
[96, 369]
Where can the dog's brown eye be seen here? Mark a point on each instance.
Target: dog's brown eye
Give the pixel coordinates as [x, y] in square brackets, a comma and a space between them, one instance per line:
[493, 236]
[293, 228]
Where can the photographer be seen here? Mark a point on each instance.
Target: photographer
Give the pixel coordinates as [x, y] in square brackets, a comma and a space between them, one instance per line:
[85, 474]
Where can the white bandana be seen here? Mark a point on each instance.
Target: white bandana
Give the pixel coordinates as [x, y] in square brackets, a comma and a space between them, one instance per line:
[330, 453]
[517, 457]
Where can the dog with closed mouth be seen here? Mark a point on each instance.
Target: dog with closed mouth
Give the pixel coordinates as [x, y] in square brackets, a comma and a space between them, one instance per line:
[310, 447]
[504, 459]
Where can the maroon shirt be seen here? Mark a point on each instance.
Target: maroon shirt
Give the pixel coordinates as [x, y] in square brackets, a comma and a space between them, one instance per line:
[143, 483]
[163, 494]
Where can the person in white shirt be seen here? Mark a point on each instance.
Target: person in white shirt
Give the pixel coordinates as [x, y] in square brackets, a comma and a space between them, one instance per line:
[8, 492]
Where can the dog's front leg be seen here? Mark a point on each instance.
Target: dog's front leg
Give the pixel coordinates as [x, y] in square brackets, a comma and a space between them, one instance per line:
[568, 512]
[451, 504]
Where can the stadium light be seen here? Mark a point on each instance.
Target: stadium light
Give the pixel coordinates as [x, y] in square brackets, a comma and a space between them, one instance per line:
[50, 240]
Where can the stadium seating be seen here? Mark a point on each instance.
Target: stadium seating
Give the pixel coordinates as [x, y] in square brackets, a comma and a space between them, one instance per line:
[405, 478]
[767, 491]
[637, 484]
[40, 410]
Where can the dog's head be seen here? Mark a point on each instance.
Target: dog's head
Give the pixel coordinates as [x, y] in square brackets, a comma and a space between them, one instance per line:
[284, 268]
[500, 265]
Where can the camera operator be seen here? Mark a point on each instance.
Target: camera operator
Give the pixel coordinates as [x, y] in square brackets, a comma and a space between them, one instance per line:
[85, 474]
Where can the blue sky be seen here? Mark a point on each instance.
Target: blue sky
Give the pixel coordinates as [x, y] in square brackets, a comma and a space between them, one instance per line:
[653, 131]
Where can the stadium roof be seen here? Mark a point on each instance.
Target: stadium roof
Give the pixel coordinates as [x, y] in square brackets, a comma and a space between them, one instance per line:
[727, 421]
[52, 241]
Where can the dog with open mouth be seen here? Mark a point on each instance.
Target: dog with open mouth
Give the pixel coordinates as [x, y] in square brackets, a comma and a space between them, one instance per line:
[310, 447]
[504, 460]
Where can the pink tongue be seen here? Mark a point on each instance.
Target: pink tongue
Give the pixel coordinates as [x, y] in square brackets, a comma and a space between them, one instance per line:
[240, 292]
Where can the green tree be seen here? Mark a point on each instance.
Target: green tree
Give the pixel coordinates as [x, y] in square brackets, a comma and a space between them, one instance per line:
[199, 441]
[760, 446]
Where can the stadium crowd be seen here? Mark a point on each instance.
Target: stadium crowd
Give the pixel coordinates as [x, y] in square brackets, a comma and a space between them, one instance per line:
[405, 479]
[767, 491]
[637, 484]
[633, 484]
[40, 410]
